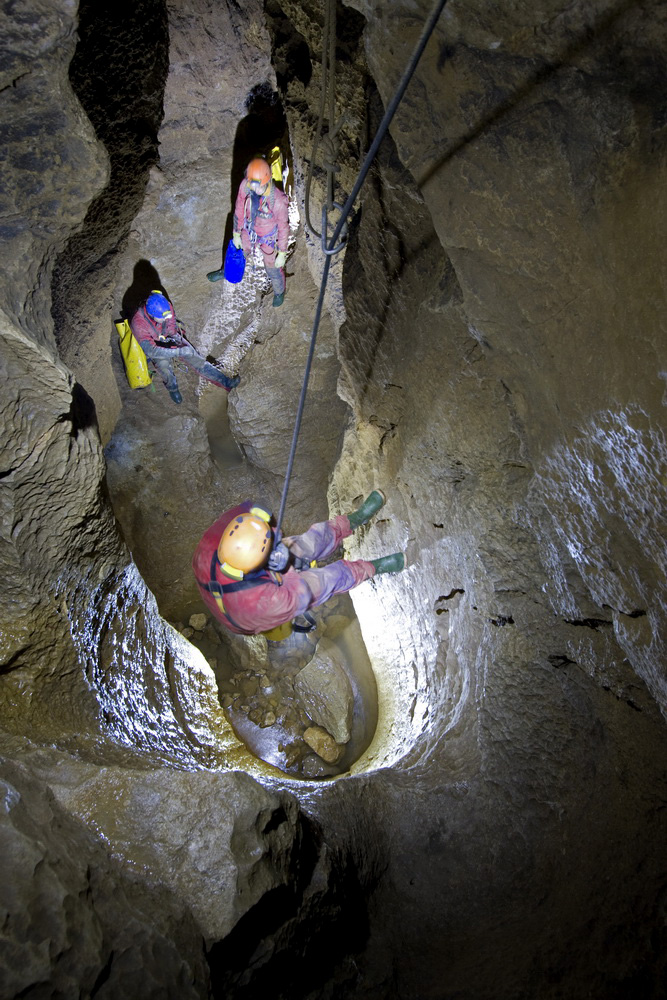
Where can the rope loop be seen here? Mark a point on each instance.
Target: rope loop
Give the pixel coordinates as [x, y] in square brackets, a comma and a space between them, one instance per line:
[325, 229]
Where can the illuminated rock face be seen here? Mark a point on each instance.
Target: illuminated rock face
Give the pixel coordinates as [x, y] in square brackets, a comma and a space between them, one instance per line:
[494, 336]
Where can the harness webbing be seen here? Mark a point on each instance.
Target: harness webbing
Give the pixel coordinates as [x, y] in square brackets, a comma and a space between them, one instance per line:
[347, 208]
[268, 239]
[216, 589]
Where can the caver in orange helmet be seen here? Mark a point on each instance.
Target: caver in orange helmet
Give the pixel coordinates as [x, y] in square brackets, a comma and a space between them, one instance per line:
[258, 173]
[246, 543]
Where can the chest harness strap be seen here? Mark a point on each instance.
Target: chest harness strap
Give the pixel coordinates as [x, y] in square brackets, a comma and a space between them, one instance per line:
[217, 590]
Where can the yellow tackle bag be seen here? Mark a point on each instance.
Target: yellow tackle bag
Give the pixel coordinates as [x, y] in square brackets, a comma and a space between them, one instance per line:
[136, 366]
[276, 163]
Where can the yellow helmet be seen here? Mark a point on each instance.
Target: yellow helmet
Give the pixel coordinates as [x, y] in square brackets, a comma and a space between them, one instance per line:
[246, 543]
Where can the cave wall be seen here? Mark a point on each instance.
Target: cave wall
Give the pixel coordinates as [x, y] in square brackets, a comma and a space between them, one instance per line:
[93, 681]
[496, 321]
[496, 385]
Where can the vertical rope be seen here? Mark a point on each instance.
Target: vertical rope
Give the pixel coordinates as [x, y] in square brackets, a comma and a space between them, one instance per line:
[328, 56]
[347, 208]
[332, 95]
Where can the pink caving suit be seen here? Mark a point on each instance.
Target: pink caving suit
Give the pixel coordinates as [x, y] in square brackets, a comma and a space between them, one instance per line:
[271, 227]
[268, 604]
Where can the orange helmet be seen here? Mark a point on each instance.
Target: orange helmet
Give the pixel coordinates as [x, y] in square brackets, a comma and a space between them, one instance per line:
[258, 172]
[246, 543]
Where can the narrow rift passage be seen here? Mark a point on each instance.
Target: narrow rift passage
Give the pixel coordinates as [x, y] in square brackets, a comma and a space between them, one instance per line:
[266, 697]
[484, 818]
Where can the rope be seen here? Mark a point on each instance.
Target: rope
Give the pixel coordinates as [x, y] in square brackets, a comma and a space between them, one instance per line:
[328, 91]
[347, 208]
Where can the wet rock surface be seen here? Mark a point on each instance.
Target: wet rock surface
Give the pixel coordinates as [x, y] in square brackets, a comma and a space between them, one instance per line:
[492, 346]
[325, 691]
[279, 691]
[75, 910]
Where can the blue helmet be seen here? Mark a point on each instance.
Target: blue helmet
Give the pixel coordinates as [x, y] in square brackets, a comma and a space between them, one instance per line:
[158, 306]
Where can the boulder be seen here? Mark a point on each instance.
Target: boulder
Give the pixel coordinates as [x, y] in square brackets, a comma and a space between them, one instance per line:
[325, 691]
[323, 744]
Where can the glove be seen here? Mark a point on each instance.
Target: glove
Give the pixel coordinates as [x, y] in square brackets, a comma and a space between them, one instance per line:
[281, 257]
[237, 241]
[168, 353]
[279, 558]
[176, 351]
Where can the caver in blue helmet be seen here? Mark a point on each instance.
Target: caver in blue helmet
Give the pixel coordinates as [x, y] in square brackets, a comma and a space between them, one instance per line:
[158, 306]
[163, 340]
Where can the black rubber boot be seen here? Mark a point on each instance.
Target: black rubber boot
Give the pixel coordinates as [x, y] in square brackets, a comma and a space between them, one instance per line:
[215, 275]
[370, 506]
[175, 395]
[389, 564]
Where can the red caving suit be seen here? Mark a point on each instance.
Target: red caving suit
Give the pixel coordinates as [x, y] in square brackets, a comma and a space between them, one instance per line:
[275, 598]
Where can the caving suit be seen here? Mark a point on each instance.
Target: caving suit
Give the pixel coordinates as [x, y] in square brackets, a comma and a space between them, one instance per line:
[163, 342]
[263, 219]
[264, 599]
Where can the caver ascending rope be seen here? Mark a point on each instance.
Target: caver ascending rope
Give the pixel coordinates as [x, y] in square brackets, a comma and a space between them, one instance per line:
[254, 583]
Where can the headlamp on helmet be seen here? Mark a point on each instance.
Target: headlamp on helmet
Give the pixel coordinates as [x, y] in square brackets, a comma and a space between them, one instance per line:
[258, 175]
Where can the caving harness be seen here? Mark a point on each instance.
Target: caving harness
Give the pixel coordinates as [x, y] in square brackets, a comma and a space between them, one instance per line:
[258, 577]
[260, 205]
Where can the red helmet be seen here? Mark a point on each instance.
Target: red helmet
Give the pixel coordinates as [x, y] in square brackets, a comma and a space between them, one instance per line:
[258, 172]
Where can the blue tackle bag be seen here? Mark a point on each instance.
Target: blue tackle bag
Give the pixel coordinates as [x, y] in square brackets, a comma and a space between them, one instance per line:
[234, 264]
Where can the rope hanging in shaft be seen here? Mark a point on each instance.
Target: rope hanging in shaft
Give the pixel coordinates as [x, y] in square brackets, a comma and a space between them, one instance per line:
[347, 208]
[327, 97]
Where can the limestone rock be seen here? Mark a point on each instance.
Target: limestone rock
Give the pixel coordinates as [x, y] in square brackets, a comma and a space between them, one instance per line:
[218, 841]
[247, 651]
[198, 622]
[498, 339]
[323, 744]
[325, 691]
[72, 911]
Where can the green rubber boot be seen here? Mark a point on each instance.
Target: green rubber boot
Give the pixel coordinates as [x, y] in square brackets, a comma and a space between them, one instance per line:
[389, 564]
[370, 506]
[215, 275]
